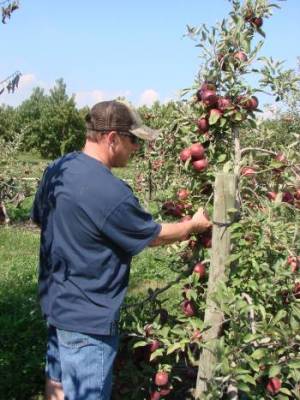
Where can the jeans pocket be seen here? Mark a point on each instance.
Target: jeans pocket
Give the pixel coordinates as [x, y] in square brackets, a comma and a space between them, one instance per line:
[73, 340]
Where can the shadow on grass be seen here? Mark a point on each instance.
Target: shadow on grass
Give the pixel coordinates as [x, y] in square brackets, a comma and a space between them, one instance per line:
[22, 330]
[23, 338]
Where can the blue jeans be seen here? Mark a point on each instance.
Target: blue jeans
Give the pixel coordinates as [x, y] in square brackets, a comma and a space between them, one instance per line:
[82, 363]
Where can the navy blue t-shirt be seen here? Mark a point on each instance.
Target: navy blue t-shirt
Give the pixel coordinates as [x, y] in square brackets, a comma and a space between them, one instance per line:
[91, 226]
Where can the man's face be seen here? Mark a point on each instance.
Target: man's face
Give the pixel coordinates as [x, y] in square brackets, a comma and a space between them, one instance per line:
[125, 146]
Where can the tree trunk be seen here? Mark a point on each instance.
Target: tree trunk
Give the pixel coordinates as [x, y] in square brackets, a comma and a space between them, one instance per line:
[4, 219]
[225, 199]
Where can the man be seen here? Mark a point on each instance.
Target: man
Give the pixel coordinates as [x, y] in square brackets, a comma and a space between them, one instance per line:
[91, 227]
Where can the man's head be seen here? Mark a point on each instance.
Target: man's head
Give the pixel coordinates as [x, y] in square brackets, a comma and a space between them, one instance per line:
[118, 128]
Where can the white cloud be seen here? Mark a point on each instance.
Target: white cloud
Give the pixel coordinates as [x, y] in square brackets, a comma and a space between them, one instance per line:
[148, 97]
[89, 98]
[27, 80]
[269, 112]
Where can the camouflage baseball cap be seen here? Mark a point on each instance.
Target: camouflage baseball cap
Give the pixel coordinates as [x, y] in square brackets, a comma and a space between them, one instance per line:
[119, 116]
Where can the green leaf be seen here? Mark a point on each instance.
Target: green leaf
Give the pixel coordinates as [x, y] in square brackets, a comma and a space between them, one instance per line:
[222, 122]
[286, 391]
[294, 364]
[246, 379]
[261, 32]
[174, 347]
[232, 258]
[279, 316]
[250, 338]
[156, 353]
[222, 157]
[274, 371]
[214, 118]
[245, 388]
[258, 354]
[238, 116]
[141, 343]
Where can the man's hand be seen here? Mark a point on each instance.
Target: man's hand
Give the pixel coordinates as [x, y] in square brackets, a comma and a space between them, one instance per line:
[179, 231]
[201, 221]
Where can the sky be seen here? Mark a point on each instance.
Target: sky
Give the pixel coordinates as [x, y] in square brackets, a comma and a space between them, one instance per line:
[137, 49]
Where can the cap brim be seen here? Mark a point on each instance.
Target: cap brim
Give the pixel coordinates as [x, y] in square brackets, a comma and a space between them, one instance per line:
[145, 133]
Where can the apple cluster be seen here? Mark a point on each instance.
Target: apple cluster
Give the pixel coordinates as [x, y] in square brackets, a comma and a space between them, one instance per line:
[216, 107]
[161, 380]
[254, 20]
[196, 153]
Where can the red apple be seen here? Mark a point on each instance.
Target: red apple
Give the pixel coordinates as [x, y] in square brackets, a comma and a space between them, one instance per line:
[288, 197]
[273, 385]
[240, 56]
[247, 103]
[183, 194]
[248, 171]
[200, 270]
[202, 124]
[206, 241]
[271, 195]
[200, 165]
[224, 103]
[252, 104]
[197, 151]
[257, 21]
[294, 262]
[155, 395]
[281, 158]
[172, 208]
[205, 86]
[154, 345]
[188, 308]
[185, 154]
[197, 335]
[161, 378]
[209, 97]
[164, 391]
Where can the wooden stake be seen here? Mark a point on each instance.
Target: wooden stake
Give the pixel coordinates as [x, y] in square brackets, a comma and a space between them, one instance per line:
[224, 200]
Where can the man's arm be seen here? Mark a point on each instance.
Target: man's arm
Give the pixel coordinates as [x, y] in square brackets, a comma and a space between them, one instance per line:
[179, 231]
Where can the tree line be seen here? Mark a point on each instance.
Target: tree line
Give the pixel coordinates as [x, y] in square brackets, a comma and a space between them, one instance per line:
[48, 123]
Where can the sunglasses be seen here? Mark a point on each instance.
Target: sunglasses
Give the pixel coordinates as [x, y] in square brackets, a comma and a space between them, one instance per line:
[134, 139]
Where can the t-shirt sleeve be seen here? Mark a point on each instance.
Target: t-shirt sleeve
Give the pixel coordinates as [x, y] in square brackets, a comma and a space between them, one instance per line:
[130, 226]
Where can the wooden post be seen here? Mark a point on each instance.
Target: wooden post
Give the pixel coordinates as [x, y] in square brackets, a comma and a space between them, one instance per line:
[224, 199]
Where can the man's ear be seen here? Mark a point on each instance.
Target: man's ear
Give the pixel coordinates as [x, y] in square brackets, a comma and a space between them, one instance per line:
[112, 137]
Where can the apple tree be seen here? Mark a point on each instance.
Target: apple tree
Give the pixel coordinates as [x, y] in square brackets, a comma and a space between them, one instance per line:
[214, 133]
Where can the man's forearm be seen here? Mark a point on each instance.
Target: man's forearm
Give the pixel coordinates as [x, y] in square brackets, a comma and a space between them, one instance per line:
[171, 233]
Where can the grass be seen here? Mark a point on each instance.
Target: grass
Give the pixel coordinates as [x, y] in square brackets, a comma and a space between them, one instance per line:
[22, 329]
